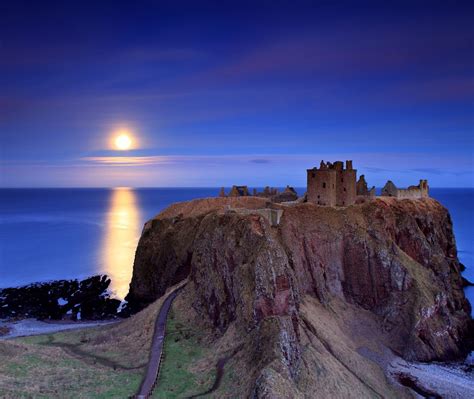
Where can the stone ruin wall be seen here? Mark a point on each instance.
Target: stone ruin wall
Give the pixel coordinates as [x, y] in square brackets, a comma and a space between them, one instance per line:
[332, 185]
[412, 192]
[346, 187]
[321, 187]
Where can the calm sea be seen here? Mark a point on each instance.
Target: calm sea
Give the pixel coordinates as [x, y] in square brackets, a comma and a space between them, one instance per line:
[49, 234]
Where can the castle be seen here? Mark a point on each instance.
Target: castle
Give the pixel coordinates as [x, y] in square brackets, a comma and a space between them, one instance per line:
[333, 184]
[413, 192]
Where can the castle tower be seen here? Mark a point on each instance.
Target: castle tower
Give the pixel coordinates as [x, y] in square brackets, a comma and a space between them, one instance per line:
[424, 188]
[346, 184]
[321, 185]
[331, 184]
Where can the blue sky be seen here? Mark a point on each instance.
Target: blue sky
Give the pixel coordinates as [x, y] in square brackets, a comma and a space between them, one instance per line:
[237, 93]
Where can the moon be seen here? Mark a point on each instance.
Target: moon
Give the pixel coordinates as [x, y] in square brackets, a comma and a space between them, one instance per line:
[123, 142]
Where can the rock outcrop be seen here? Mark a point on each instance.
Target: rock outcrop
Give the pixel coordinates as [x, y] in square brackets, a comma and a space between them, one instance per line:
[308, 293]
[88, 299]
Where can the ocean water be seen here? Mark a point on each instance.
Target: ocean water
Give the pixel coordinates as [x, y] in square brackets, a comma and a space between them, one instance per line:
[50, 234]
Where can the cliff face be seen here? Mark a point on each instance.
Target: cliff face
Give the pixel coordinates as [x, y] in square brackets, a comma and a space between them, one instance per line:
[388, 264]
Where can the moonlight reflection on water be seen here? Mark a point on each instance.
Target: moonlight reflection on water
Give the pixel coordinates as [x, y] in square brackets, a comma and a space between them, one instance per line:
[121, 235]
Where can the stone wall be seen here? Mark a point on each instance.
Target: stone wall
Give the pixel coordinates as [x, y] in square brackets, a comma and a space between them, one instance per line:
[346, 187]
[412, 192]
[321, 186]
[331, 184]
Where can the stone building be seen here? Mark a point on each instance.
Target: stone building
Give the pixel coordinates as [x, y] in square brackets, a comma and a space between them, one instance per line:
[239, 191]
[331, 184]
[412, 192]
[289, 194]
[363, 189]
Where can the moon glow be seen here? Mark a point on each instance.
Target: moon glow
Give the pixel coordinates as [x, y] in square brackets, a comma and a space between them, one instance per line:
[123, 142]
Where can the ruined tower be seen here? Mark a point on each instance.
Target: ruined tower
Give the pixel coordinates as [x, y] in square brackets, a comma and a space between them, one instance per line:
[345, 184]
[331, 184]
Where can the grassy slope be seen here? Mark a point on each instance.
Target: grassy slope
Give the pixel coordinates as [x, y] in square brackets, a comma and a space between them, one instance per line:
[109, 361]
[334, 368]
[103, 362]
[47, 372]
[179, 376]
[190, 355]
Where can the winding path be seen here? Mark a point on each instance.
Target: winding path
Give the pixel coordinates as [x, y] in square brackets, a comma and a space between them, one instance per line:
[156, 350]
[219, 373]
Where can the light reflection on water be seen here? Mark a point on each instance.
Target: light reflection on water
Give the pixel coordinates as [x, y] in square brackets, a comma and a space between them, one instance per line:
[121, 235]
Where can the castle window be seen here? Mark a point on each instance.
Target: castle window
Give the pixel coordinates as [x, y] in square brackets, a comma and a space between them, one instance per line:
[324, 185]
[319, 196]
[344, 189]
[342, 180]
[313, 174]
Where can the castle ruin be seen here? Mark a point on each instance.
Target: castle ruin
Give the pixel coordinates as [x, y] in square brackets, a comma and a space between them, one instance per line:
[412, 192]
[331, 184]
[363, 189]
[289, 194]
[237, 191]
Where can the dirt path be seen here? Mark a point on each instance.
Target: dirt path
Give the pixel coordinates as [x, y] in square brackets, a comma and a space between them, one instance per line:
[87, 357]
[219, 373]
[156, 350]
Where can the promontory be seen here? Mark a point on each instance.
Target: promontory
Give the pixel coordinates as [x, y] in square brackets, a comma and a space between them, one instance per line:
[309, 300]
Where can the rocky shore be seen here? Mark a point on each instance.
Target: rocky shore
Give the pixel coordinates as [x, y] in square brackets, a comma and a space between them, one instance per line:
[72, 300]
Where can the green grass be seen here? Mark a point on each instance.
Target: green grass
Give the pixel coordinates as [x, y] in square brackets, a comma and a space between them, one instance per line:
[178, 376]
[38, 367]
[44, 372]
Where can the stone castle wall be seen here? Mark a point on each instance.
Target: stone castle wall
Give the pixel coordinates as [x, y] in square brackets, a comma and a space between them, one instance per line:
[346, 187]
[331, 184]
[321, 187]
[412, 192]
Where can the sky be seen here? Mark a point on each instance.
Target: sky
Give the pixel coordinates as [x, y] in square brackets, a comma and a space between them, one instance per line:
[222, 93]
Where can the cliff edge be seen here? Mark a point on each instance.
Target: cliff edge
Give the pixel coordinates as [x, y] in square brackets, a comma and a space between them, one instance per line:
[317, 295]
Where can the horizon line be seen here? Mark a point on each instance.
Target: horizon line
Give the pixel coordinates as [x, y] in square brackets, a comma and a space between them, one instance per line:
[183, 187]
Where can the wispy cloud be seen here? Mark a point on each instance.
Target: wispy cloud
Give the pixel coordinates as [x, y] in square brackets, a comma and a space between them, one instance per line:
[217, 170]
[128, 160]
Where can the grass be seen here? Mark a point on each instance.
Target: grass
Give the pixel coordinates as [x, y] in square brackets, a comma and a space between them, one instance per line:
[103, 362]
[35, 370]
[110, 361]
[181, 373]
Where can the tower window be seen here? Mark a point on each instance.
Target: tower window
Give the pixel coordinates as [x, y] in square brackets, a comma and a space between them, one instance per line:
[344, 189]
[324, 185]
[313, 174]
[342, 180]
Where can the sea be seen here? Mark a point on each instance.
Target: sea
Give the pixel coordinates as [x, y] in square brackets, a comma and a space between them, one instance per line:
[52, 234]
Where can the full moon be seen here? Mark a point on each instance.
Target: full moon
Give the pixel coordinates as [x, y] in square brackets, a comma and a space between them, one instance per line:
[123, 142]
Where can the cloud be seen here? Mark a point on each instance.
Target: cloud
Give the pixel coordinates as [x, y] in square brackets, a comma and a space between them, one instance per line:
[435, 171]
[224, 170]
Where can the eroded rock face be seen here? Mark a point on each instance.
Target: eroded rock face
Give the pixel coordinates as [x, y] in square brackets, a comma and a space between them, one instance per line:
[394, 258]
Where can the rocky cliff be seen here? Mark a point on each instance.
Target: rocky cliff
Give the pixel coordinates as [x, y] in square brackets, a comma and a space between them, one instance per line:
[314, 294]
